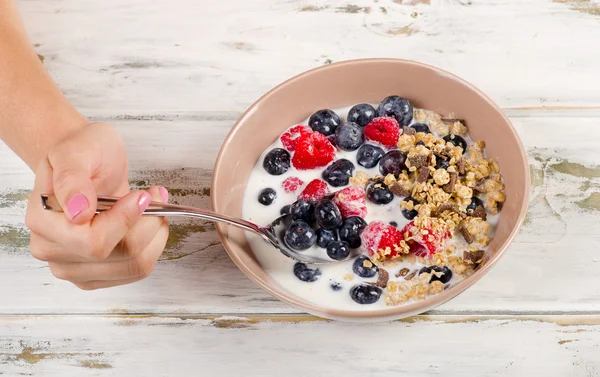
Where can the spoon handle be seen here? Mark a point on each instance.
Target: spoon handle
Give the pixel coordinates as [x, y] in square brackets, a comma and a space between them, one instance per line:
[50, 203]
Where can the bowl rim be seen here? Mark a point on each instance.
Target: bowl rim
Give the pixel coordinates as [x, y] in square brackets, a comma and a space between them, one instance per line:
[400, 311]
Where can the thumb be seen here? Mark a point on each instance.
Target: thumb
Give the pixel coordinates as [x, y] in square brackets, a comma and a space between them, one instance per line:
[73, 187]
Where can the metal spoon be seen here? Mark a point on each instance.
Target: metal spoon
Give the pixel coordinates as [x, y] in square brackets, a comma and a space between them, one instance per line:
[272, 233]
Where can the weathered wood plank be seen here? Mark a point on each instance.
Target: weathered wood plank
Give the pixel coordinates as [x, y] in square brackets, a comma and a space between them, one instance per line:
[230, 346]
[546, 269]
[187, 55]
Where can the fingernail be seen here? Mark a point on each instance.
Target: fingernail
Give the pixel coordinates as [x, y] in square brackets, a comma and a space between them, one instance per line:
[144, 201]
[164, 194]
[77, 204]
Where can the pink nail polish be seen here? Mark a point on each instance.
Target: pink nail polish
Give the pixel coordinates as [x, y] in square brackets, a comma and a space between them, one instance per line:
[164, 194]
[144, 201]
[77, 204]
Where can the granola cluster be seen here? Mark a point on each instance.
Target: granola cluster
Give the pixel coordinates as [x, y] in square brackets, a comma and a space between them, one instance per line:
[452, 191]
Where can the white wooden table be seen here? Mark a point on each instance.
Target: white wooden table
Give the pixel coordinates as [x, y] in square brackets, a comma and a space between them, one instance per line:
[174, 76]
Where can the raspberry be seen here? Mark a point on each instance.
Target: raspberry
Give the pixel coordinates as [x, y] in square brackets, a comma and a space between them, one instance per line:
[351, 202]
[382, 240]
[291, 136]
[371, 236]
[315, 190]
[292, 184]
[313, 150]
[384, 130]
[421, 245]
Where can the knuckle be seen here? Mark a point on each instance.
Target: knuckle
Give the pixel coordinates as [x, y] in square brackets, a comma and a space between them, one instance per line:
[30, 220]
[140, 267]
[132, 245]
[86, 286]
[62, 177]
[59, 272]
[93, 246]
[38, 251]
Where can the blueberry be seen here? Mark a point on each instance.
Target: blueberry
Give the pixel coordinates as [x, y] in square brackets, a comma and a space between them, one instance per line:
[421, 127]
[267, 196]
[457, 141]
[475, 202]
[445, 277]
[325, 237]
[409, 215]
[336, 286]
[277, 161]
[362, 271]
[285, 210]
[365, 294]
[440, 163]
[339, 173]
[306, 274]
[397, 107]
[331, 139]
[300, 236]
[379, 193]
[369, 155]
[328, 215]
[303, 210]
[351, 229]
[324, 121]
[349, 136]
[338, 250]
[392, 163]
[394, 224]
[361, 114]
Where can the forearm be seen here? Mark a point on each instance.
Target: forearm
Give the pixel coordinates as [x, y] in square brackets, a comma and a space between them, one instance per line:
[34, 114]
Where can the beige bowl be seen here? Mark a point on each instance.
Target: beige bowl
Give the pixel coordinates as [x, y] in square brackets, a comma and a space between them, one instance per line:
[348, 83]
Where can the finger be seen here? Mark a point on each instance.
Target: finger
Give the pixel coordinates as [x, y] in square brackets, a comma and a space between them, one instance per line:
[100, 284]
[109, 227]
[72, 169]
[42, 249]
[47, 227]
[140, 266]
[143, 232]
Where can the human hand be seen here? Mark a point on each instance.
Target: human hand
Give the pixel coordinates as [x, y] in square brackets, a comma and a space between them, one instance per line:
[112, 248]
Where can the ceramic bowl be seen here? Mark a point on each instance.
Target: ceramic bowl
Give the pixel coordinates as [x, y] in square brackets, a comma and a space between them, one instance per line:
[359, 81]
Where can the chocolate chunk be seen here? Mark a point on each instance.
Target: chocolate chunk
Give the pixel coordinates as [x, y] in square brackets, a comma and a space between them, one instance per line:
[486, 258]
[402, 272]
[448, 206]
[473, 257]
[419, 161]
[422, 174]
[408, 131]
[479, 212]
[411, 275]
[398, 190]
[465, 233]
[449, 187]
[382, 279]
[462, 168]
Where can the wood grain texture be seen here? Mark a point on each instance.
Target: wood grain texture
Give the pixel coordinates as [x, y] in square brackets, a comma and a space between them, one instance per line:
[187, 55]
[174, 76]
[543, 272]
[225, 346]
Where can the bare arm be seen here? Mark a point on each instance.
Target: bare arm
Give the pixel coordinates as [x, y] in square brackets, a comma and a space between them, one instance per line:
[75, 160]
[34, 114]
